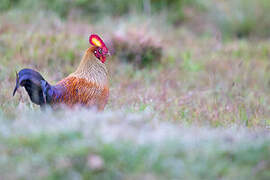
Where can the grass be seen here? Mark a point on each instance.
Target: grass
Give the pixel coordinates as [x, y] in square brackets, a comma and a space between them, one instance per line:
[201, 112]
[129, 146]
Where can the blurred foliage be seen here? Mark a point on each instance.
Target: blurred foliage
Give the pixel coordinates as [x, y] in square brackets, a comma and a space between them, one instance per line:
[234, 18]
[45, 149]
[241, 18]
[101, 8]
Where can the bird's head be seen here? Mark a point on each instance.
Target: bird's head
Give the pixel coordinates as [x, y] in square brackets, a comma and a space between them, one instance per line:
[100, 49]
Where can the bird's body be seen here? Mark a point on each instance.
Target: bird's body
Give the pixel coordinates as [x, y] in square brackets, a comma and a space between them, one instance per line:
[87, 86]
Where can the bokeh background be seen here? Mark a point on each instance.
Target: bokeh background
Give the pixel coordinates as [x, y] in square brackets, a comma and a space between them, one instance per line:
[189, 90]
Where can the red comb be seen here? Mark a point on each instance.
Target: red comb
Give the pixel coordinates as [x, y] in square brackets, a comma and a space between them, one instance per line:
[95, 40]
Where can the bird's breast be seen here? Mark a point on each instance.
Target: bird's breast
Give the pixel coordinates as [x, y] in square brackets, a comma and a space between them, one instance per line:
[76, 90]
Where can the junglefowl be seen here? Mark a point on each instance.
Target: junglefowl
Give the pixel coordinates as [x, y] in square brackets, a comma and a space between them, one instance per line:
[87, 86]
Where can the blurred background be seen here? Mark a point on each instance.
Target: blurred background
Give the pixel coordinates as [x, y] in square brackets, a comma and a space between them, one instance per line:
[232, 18]
[189, 90]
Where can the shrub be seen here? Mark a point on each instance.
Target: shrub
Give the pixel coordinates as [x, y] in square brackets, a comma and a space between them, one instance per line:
[137, 47]
[241, 18]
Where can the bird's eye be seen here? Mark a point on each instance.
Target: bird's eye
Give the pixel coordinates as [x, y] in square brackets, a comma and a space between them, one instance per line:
[95, 52]
[100, 51]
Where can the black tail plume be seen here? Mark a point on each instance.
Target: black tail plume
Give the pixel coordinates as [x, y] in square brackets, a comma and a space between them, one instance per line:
[35, 85]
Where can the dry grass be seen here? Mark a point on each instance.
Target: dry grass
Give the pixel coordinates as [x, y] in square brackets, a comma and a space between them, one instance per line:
[200, 80]
[159, 119]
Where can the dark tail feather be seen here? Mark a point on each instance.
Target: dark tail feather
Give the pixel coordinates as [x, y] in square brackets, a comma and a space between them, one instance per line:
[17, 84]
[36, 86]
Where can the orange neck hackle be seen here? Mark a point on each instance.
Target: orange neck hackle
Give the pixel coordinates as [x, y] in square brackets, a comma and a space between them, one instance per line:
[91, 68]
